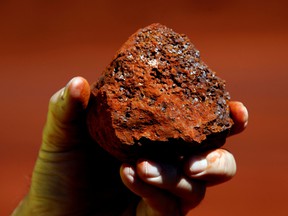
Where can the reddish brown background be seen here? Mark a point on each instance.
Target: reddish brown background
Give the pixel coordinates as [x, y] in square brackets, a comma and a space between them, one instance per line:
[45, 43]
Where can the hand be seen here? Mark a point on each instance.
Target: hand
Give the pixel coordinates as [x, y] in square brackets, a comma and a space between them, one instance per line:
[73, 176]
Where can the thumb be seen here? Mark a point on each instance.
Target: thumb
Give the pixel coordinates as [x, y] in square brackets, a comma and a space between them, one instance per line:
[65, 125]
[58, 180]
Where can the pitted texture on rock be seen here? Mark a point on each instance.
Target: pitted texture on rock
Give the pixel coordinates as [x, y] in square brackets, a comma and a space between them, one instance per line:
[157, 90]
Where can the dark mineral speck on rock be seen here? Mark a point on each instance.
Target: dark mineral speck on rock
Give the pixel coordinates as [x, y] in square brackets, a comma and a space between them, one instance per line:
[158, 99]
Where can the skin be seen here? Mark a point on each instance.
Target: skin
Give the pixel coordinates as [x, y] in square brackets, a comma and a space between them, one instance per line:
[73, 176]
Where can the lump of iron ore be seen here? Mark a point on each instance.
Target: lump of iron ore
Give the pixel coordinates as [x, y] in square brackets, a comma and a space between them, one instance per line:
[158, 99]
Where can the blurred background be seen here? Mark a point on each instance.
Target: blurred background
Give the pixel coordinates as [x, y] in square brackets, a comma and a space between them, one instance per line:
[45, 43]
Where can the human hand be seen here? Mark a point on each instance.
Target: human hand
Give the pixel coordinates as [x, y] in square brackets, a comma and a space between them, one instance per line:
[73, 176]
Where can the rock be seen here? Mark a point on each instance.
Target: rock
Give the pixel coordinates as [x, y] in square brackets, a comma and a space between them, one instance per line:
[158, 99]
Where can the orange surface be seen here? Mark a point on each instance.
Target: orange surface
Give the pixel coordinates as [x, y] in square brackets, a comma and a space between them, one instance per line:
[45, 43]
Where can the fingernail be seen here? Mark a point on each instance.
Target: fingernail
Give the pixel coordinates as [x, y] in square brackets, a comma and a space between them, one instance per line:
[246, 114]
[198, 165]
[151, 170]
[214, 156]
[131, 174]
[64, 92]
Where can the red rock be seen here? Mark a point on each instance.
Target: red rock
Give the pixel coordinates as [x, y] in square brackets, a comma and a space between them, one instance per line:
[157, 98]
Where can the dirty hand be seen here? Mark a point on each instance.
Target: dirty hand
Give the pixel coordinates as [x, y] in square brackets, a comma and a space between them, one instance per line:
[74, 176]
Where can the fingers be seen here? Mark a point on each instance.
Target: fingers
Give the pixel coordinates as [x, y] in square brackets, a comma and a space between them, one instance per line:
[171, 178]
[239, 114]
[155, 201]
[164, 187]
[214, 167]
[186, 187]
[65, 118]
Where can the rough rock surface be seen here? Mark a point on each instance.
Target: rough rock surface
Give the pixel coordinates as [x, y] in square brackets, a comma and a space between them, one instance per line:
[157, 98]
